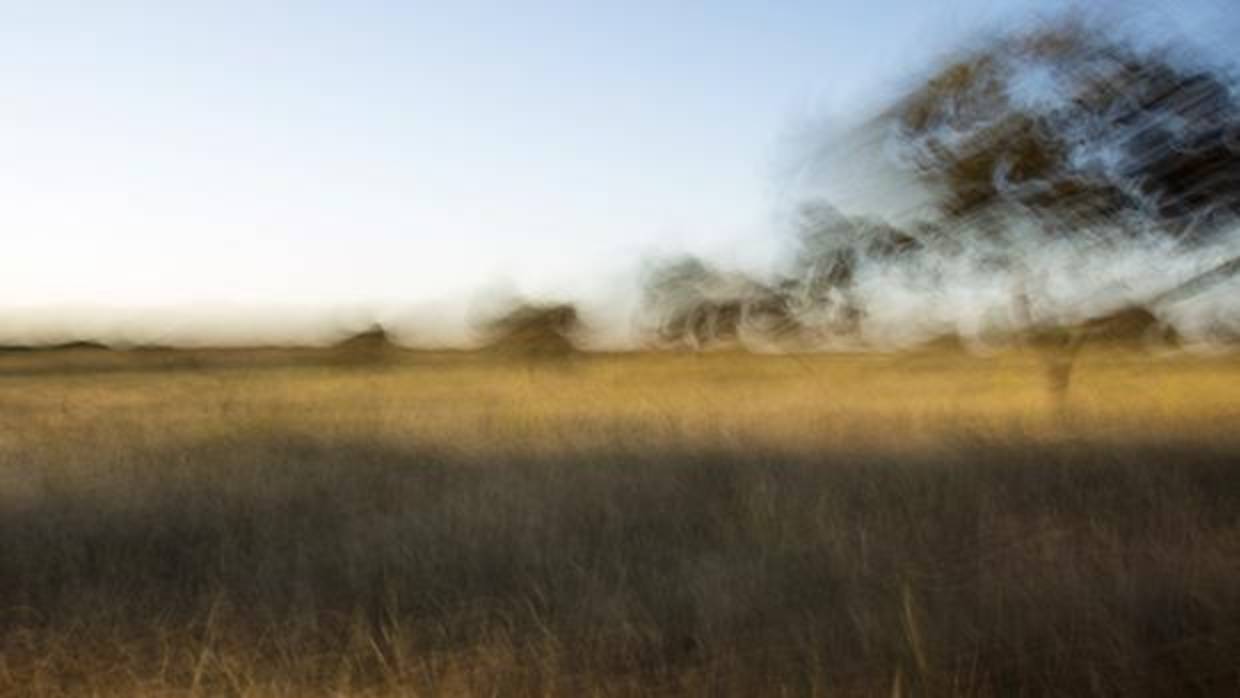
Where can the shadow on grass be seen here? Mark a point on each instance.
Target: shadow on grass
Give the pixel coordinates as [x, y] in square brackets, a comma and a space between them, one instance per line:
[988, 568]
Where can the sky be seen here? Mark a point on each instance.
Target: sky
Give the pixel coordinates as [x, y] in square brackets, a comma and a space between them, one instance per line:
[240, 154]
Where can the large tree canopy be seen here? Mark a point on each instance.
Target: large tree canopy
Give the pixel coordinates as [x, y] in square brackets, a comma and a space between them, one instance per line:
[1053, 136]
[1077, 130]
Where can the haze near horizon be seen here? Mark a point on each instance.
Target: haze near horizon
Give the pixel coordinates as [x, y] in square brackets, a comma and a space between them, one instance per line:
[233, 173]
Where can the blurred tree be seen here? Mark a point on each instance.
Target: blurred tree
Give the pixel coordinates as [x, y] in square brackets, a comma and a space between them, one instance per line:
[693, 305]
[1076, 131]
[535, 330]
[1062, 132]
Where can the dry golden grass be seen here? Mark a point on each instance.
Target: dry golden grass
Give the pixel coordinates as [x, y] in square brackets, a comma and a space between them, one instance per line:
[286, 524]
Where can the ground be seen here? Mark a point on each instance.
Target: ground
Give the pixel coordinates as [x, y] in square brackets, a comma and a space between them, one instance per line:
[454, 523]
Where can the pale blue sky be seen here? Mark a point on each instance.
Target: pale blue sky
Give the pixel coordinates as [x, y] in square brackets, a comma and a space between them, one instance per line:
[310, 152]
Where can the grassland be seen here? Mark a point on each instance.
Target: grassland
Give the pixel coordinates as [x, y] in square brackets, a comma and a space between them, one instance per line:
[290, 523]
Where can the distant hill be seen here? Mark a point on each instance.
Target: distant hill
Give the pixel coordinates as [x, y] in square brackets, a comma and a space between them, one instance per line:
[76, 345]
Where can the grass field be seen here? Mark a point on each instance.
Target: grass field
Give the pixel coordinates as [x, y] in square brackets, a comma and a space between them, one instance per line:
[300, 523]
